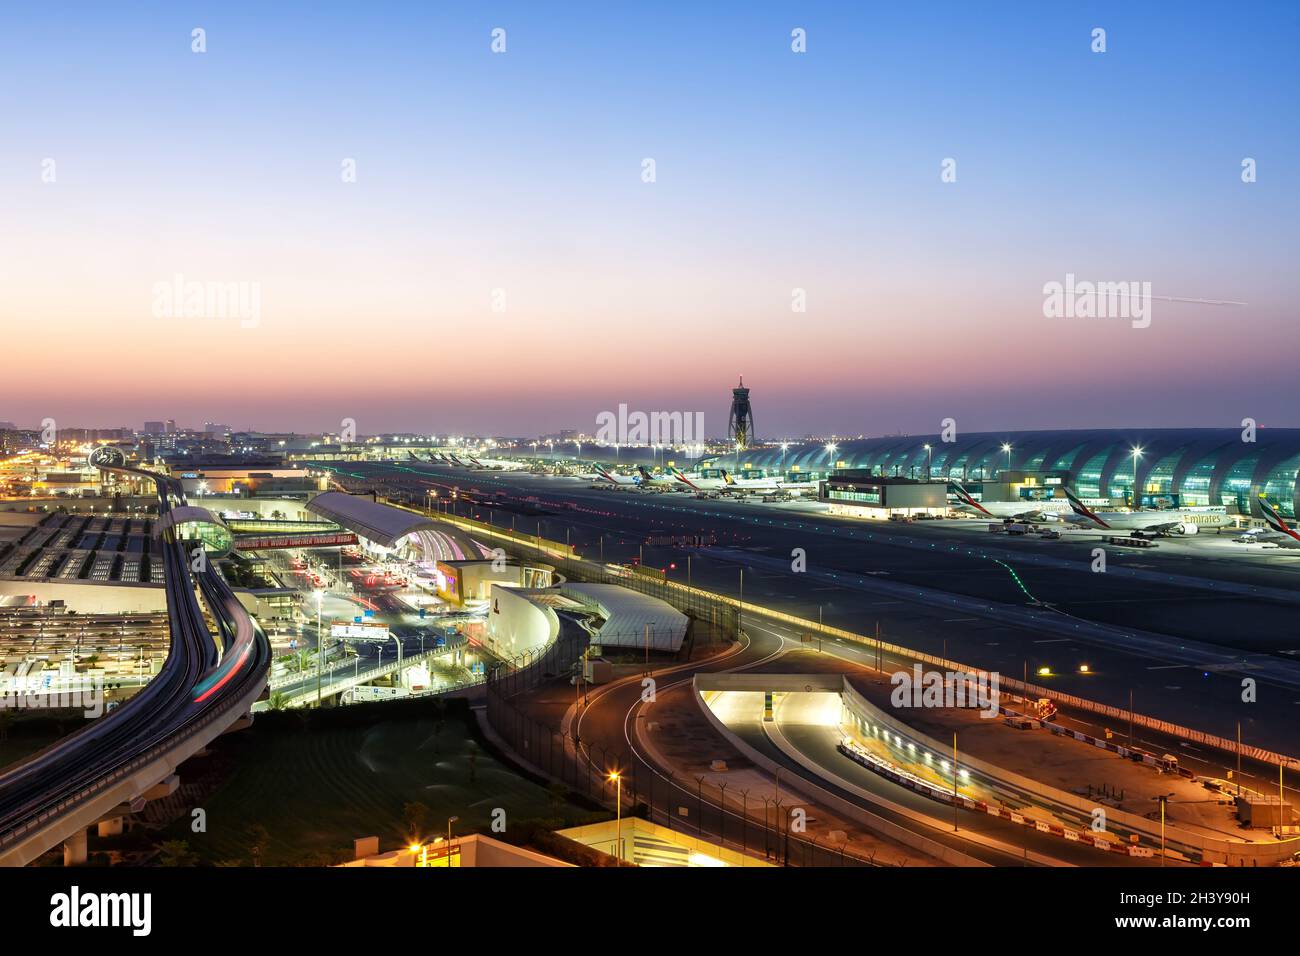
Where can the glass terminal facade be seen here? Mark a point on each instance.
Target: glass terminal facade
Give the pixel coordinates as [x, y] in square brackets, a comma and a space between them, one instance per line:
[1174, 467]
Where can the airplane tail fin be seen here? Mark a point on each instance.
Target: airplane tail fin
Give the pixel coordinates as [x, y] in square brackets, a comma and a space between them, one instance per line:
[645, 475]
[676, 473]
[726, 477]
[1275, 520]
[965, 498]
[1082, 510]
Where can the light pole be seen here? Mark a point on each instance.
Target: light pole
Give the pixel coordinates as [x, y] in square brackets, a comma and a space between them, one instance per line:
[1164, 800]
[830, 450]
[954, 781]
[618, 802]
[740, 608]
[450, 821]
[784, 446]
[929, 460]
[1006, 447]
[1137, 453]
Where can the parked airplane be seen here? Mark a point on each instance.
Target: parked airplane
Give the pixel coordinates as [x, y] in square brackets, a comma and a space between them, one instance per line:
[1048, 509]
[1173, 521]
[760, 485]
[650, 481]
[606, 475]
[697, 482]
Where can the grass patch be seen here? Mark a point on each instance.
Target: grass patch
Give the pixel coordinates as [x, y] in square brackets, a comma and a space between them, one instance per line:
[306, 784]
[22, 733]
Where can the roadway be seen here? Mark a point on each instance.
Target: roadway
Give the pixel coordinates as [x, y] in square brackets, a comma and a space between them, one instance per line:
[608, 722]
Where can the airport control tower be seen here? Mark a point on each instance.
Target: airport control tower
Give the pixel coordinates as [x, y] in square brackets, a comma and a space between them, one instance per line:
[740, 424]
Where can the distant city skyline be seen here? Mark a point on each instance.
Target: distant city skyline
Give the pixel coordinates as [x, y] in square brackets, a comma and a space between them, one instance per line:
[500, 265]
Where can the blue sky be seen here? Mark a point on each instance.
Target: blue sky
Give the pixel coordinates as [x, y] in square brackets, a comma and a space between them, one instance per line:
[775, 171]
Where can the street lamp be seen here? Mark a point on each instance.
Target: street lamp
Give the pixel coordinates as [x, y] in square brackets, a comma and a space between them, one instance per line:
[1137, 453]
[784, 446]
[618, 800]
[929, 459]
[1164, 800]
[830, 450]
[1006, 447]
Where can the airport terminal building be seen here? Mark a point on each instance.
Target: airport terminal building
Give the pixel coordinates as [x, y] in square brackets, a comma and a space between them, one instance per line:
[1175, 467]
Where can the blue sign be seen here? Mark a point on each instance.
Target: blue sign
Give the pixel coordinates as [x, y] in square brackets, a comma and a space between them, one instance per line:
[369, 613]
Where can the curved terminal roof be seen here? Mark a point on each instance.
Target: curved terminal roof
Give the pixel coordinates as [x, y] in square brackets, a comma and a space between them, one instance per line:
[386, 526]
[1204, 466]
[627, 614]
[187, 514]
[210, 528]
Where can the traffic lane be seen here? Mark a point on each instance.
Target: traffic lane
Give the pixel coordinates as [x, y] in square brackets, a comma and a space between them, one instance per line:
[605, 724]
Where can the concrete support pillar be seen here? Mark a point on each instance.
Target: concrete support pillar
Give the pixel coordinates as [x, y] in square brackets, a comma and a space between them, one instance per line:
[111, 827]
[74, 849]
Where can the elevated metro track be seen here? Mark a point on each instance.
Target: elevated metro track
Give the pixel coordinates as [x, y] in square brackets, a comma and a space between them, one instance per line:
[114, 761]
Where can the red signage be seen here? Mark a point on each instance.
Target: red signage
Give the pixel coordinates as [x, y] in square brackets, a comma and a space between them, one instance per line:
[269, 541]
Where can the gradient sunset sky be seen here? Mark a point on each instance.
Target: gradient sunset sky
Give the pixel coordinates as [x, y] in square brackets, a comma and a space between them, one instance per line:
[522, 172]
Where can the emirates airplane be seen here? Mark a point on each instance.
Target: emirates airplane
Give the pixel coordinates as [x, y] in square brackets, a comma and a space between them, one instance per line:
[697, 483]
[1173, 521]
[759, 485]
[1049, 509]
[610, 476]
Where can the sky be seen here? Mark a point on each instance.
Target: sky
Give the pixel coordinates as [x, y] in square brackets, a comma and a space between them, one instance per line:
[500, 264]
